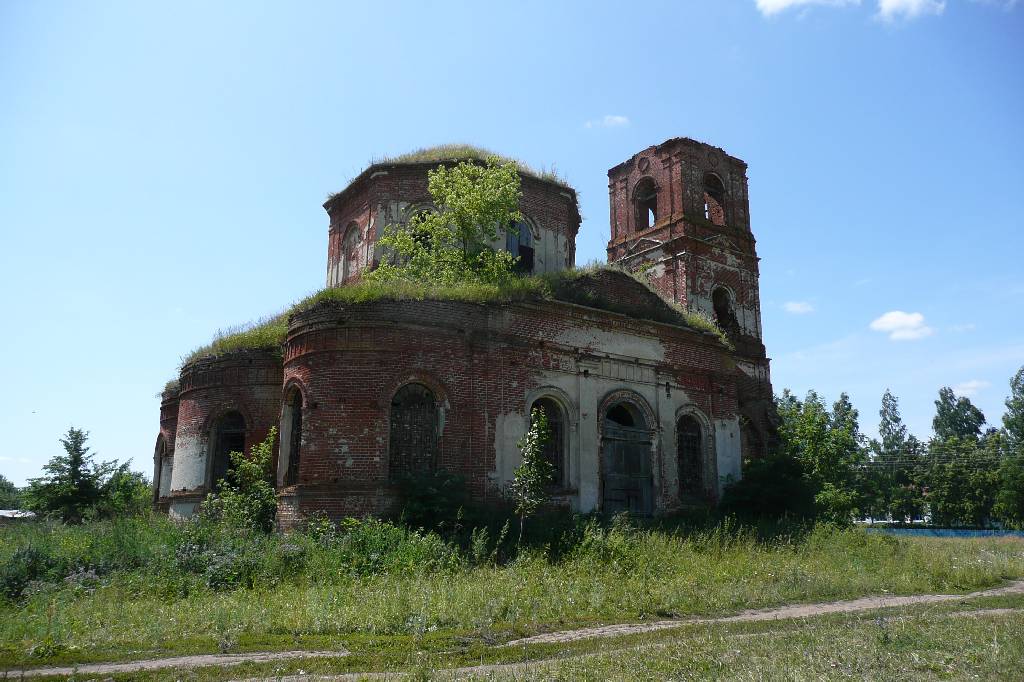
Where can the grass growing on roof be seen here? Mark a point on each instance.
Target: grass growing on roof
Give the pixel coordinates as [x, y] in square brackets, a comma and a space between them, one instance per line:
[265, 334]
[270, 333]
[443, 153]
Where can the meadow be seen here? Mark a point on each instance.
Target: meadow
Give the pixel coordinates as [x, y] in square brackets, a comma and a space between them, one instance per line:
[146, 587]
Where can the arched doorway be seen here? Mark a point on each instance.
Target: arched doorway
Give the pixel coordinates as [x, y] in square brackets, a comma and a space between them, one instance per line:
[627, 483]
[412, 447]
[228, 437]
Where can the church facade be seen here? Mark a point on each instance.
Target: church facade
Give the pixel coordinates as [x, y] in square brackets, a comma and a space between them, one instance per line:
[649, 414]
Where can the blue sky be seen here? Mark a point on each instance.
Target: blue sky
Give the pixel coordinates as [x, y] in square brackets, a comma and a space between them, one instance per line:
[162, 169]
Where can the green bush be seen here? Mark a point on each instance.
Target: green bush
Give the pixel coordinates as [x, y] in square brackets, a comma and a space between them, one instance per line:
[773, 487]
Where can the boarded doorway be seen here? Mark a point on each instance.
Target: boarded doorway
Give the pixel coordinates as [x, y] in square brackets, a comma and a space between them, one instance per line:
[627, 483]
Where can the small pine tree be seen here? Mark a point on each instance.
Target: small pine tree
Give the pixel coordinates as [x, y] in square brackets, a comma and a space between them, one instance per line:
[530, 483]
[73, 485]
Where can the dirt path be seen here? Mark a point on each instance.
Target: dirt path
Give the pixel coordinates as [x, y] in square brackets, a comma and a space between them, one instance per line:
[543, 664]
[783, 612]
[780, 613]
[175, 662]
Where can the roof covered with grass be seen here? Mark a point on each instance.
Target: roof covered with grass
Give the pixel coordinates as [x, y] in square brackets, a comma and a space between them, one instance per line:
[599, 287]
[451, 153]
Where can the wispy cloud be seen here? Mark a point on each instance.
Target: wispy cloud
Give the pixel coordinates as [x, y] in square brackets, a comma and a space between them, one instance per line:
[961, 328]
[894, 10]
[798, 307]
[901, 326]
[770, 7]
[970, 388]
[608, 121]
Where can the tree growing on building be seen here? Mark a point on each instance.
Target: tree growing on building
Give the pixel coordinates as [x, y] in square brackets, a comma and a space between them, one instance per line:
[452, 244]
[532, 479]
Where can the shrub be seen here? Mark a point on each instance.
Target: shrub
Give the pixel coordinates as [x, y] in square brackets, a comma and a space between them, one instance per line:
[247, 500]
[435, 501]
[774, 486]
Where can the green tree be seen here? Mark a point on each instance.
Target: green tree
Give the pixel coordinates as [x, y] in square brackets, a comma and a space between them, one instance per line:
[956, 417]
[962, 481]
[1013, 419]
[452, 245]
[830, 448]
[531, 481]
[1009, 502]
[892, 486]
[10, 496]
[246, 499]
[75, 487]
[891, 429]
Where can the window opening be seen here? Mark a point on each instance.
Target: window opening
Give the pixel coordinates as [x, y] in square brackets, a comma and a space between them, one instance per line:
[724, 312]
[229, 437]
[714, 199]
[689, 452]
[554, 449]
[294, 438]
[412, 446]
[350, 253]
[645, 199]
[519, 242]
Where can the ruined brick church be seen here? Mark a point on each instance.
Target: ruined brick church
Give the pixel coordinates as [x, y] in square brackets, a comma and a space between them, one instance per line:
[648, 413]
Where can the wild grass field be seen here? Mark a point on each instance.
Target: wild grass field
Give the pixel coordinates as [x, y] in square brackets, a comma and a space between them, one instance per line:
[146, 587]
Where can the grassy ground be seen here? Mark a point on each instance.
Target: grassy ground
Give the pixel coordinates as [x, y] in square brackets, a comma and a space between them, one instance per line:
[143, 588]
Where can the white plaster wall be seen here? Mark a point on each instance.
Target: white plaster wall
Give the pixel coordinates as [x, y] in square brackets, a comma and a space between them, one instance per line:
[628, 345]
[189, 469]
[727, 451]
[586, 394]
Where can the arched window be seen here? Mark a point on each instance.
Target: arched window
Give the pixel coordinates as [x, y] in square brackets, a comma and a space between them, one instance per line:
[292, 440]
[714, 199]
[724, 312]
[412, 447]
[350, 253]
[519, 242]
[164, 464]
[645, 204]
[228, 436]
[555, 449]
[690, 456]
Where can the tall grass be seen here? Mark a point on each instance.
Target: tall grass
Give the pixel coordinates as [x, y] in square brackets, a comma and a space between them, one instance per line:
[148, 584]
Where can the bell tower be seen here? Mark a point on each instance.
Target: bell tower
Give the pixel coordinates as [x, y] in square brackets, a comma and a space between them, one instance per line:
[680, 212]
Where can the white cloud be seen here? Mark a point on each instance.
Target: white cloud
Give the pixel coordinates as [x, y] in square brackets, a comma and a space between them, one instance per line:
[901, 326]
[892, 10]
[608, 121]
[798, 307]
[770, 7]
[970, 388]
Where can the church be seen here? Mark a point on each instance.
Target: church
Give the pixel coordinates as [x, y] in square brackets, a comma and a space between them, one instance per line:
[649, 412]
